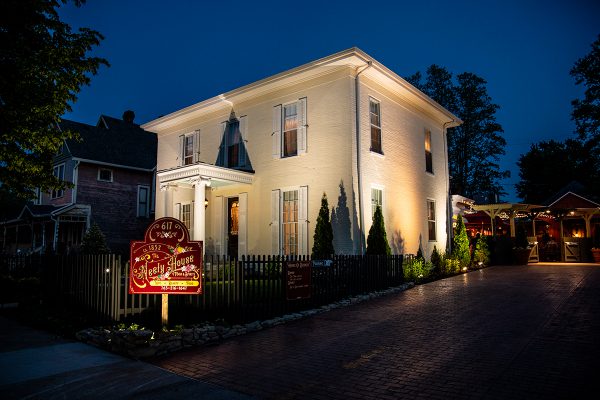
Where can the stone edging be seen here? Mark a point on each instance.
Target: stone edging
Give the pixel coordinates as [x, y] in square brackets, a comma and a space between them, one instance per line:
[145, 343]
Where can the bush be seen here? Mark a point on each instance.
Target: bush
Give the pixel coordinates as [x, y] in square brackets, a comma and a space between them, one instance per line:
[417, 270]
[323, 237]
[436, 260]
[94, 242]
[377, 243]
[450, 265]
[481, 253]
[460, 243]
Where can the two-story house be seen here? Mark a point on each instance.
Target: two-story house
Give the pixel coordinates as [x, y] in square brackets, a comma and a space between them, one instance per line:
[112, 169]
[245, 170]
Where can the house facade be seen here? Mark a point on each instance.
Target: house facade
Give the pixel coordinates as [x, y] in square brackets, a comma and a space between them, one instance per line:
[246, 170]
[112, 170]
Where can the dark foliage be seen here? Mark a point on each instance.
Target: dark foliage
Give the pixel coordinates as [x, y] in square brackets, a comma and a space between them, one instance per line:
[323, 237]
[377, 243]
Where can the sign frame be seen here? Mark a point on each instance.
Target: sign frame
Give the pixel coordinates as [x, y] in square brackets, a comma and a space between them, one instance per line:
[166, 261]
[298, 279]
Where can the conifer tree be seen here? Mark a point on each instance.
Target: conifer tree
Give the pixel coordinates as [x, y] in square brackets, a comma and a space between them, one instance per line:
[460, 243]
[93, 241]
[377, 243]
[323, 238]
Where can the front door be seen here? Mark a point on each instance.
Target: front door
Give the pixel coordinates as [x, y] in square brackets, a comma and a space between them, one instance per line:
[233, 204]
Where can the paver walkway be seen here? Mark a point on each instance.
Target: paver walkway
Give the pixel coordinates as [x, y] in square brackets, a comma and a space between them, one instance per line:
[516, 332]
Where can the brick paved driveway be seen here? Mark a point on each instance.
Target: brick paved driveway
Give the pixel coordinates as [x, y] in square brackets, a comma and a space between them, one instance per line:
[500, 333]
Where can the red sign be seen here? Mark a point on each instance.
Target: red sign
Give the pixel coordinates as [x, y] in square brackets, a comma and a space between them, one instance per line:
[166, 262]
[298, 279]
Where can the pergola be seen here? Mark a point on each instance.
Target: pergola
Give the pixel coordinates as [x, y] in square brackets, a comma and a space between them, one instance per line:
[510, 211]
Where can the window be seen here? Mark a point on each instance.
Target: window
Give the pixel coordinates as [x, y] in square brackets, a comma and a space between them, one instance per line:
[428, 156]
[289, 222]
[376, 200]
[375, 117]
[37, 200]
[59, 172]
[143, 209]
[186, 215]
[289, 129]
[105, 175]
[431, 219]
[189, 145]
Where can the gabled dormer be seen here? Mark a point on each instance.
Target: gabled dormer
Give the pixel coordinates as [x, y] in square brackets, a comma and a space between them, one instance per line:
[232, 151]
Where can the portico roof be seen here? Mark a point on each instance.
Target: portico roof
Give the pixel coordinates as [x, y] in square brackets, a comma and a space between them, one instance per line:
[217, 175]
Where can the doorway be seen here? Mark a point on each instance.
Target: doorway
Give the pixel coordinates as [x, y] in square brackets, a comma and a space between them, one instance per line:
[233, 209]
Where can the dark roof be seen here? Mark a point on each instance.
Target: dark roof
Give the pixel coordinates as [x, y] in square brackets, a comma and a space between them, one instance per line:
[113, 141]
[573, 187]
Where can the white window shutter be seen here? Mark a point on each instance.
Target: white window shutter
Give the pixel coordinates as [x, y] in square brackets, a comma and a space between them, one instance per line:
[181, 149]
[217, 224]
[196, 146]
[276, 135]
[243, 132]
[243, 225]
[303, 220]
[275, 239]
[301, 126]
[177, 211]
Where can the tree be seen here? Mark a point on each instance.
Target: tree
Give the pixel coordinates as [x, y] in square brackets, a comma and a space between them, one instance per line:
[323, 238]
[549, 166]
[93, 241]
[474, 148]
[377, 243]
[460, 243]
[481, 252]
[43, 65]
[586, 111]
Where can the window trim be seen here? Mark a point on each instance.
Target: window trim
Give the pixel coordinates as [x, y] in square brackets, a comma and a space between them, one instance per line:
[380, 150]
[282, 222]
[57, 194]
[147, 212]
[105, 180]
[434, 220]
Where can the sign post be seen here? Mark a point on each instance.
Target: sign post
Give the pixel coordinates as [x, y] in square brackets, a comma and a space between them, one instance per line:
[166, 262]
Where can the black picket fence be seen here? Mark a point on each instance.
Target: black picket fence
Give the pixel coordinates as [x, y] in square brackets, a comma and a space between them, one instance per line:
[234, 290]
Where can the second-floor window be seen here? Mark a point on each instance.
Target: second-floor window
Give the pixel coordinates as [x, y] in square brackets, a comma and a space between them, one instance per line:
[190, 148]
[59, 172]
[105, 175]
[143, 203]
[375, 119]
[428, 155]
[289, 129]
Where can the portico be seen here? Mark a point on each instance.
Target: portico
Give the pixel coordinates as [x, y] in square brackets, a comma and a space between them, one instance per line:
[186, 195]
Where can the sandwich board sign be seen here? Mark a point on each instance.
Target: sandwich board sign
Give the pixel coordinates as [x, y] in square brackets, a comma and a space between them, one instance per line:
[166, 261]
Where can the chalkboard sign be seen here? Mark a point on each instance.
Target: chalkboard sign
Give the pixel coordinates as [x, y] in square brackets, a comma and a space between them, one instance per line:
[298, 279]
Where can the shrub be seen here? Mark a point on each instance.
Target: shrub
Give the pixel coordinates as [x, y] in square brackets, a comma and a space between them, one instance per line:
[377, 243]
[417, 269]
[323, 238]
[481, 253]
[436, 260]
[450, 265]
[93, 241]
[460, 243]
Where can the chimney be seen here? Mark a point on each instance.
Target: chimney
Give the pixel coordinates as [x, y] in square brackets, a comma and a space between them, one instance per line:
[128, 116]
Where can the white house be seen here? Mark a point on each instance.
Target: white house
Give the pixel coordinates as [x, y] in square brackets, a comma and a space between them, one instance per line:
[246, 170]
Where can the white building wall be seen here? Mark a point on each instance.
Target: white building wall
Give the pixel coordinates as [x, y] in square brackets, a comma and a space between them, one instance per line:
[401, 170]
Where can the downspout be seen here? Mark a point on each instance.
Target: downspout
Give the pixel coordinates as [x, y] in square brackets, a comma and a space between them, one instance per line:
[449, 212]
[358, 155]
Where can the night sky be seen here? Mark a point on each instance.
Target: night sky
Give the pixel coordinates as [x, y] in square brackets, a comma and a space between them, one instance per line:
[166, 55]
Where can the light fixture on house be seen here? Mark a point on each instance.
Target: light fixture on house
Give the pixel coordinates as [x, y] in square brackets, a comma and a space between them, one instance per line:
[205, 202]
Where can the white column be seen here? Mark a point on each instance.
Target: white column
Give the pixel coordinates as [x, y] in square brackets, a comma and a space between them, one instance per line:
[199, 210]
[164, 188]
